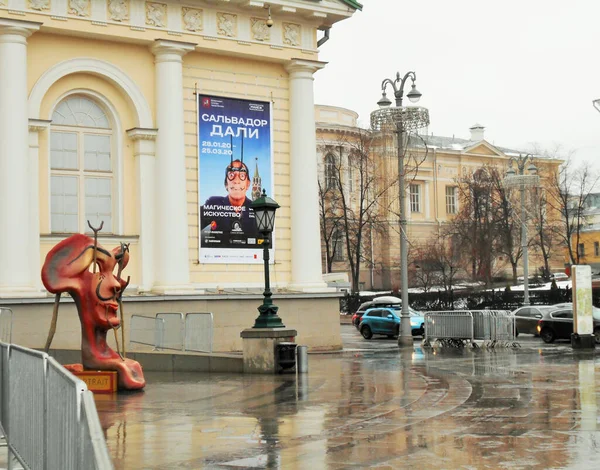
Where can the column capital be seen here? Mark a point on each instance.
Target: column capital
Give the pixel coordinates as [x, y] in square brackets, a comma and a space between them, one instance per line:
[299, 66]
[171, 51]
[38, 125]
[141, 133]
[17, 30]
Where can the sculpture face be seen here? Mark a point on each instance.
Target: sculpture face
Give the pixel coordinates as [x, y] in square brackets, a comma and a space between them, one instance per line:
[67, 269]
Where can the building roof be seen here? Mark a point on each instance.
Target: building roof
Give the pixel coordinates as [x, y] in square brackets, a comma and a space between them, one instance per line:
[454, 143]
[353, 4]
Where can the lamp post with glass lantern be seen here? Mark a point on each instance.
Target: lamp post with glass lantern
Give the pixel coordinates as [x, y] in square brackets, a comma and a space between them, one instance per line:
[401, 120]
[522, 180]
[264, 212]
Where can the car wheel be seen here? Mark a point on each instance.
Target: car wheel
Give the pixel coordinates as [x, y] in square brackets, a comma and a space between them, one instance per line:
[597, 336]
[366, 332]
[397, 331]
[547, 335]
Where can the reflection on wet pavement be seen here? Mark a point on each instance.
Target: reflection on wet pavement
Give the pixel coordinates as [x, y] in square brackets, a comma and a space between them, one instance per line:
[453, 409]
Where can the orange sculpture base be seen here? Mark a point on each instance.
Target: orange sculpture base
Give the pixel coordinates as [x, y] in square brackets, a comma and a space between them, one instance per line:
[97, 381]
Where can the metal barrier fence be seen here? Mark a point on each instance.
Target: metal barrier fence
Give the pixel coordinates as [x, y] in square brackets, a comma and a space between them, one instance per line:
[6, 316]
[147, 330]
[174, 334]
[199, 332]
[48, 416]
[183, 332]
[470, 325]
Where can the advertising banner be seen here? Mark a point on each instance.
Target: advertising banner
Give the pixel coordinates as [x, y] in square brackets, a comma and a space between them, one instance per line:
[234, 166]
[582, 299]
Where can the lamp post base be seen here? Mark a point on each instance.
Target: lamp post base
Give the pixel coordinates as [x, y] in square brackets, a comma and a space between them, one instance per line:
[268, 317]
[260, 348]
[405, 341]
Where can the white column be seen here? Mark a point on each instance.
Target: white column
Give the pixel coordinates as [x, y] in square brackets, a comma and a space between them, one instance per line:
[171, 256]
[17, 278]
[426, 199]
[306, 242]
[35, 127]
[144, 155]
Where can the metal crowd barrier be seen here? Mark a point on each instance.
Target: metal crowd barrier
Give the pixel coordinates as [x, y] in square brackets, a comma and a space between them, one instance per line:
[448, 325]
[199, 332]
[174, 334]
[469, 325]
[147, 330]
[6, 317]
[48, 416]
[184, 332]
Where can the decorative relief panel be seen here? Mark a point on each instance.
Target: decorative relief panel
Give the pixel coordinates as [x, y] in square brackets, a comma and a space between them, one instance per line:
[118, 10]
[291, 34]
[191, 19]
[39, 4]
[227, 24]
[156, 14]
[260, 30]
[80, 7]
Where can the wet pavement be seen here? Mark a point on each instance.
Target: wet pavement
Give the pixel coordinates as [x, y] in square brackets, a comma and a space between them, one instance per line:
[370, 407]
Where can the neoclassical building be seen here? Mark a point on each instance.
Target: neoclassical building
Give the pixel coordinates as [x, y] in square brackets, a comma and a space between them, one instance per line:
[432, 197]
[124, 112]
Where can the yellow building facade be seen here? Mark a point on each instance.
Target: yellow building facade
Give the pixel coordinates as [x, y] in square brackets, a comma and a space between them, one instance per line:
[99, 121]
[432, 196]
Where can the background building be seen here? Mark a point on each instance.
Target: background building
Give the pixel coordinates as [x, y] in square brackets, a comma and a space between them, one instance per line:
[436, 165]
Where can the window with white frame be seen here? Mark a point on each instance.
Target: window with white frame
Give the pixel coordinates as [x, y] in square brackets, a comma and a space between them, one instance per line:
[338, 246]
[451, 200]
[81, 167]
[415, 198]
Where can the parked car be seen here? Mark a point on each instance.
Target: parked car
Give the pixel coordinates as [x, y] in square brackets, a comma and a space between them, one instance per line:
[384, 301]
[386, 321]
[526, 318]
[558, 324]
[559, 276]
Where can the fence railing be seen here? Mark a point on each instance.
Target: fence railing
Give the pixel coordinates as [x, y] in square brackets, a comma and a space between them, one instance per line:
[6, 317]
[183, 332]
[147, 330]
[48, 416]
[470, 325]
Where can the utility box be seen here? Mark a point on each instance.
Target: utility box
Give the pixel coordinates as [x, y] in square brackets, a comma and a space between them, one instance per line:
[285, 356]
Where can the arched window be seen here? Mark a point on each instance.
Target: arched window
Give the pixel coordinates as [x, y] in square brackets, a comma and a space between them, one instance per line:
[81, 167]
[330, 171]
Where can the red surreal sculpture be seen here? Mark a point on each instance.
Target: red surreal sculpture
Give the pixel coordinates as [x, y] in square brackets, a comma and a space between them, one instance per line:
[97, 296]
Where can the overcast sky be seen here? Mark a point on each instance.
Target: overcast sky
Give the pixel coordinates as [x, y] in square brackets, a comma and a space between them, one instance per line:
[527, 70]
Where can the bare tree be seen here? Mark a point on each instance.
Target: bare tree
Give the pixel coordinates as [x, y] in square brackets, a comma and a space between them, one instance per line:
[508, 222]
[359, 180]
[569, 190]
[475, 226]
[330, 218]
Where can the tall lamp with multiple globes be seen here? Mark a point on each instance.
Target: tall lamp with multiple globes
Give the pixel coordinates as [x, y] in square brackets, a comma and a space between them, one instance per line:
[522, 181]
[401, 120]
[264, 212]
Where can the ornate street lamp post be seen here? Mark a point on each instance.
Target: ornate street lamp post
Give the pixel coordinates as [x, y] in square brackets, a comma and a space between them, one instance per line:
[264, 213]
[401, 120]
[521, 181]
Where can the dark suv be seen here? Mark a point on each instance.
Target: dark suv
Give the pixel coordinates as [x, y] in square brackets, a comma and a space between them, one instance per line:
[558, 324]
